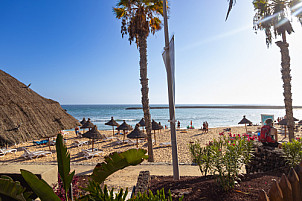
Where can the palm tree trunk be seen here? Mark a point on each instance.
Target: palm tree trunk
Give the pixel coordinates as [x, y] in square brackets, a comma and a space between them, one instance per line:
[286, 77]
[145, 92]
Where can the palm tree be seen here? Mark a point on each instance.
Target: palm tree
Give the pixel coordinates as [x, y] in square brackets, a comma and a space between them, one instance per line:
[139, 18]
[272, 17]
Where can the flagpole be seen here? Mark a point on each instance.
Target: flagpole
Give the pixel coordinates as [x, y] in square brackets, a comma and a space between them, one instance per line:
[171, 98]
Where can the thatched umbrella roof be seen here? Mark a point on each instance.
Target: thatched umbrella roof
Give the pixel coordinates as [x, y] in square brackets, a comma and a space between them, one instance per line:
[137, 133]
[300, 122]
[93, 133]
[284, 121]
[124, 126]
[112, 122]
[83, 121]
[88, 124]
[156, 126]
[142, 122]
[244, 121]
[25, 115]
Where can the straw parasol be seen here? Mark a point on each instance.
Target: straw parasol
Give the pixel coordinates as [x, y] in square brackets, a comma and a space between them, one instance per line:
[25, 115]
[136, 133]
[124, 127]
[142, 123]
[112, 123]
[155, 126]
[88, 124]
[245, 121]
[284, 123]
[93, 134]
[300, 122]
[83, 122]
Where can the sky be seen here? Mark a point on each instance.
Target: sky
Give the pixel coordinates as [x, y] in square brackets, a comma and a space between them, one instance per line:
[72, 51]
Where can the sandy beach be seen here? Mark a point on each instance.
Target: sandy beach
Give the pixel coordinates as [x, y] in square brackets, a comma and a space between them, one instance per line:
[161, 154]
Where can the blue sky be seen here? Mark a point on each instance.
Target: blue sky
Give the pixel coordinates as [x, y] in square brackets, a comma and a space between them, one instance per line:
[72, 51]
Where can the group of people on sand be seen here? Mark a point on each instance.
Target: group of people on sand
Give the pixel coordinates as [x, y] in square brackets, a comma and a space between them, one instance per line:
[205, 127]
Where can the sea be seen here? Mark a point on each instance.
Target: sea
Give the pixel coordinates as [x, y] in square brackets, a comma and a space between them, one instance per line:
[216, 117]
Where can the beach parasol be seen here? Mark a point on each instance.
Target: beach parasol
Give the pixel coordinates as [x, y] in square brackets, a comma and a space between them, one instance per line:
[124, 126]
[93, 134]
[136, 133]
[300, 122]
[155, 126]
[26, 116]
[112, 123]
[83, 122]
[284, 123]
[142, 123]
[88, 124]
[245, 121]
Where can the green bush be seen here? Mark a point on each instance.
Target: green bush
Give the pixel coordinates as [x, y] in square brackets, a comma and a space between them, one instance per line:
[159, 196]
[224, 157]
[97, 193]
[293, 152]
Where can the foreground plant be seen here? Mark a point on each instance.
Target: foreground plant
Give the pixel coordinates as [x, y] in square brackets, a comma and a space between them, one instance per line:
[159, 196]
[12, 190]
[293, 152]
[224, 157]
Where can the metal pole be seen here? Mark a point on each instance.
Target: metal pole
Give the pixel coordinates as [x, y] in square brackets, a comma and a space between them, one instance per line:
[171, 98]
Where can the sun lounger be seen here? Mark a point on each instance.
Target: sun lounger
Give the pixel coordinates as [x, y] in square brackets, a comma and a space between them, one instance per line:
[118, 141]
[79, 143]
[90, 154]
[35, 154]
[165, 144]
[6, 151]
[130, 142]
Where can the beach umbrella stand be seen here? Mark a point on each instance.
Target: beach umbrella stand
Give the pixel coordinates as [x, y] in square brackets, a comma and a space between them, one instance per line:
[112, 123]
[136, 134]
[124, 126]
[245, 121]
[93, 134]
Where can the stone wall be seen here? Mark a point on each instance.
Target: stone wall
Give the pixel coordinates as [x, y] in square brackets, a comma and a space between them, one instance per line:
[143, 182]
[266, 159]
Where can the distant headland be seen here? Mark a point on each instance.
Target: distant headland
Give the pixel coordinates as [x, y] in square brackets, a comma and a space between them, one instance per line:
[219, 107]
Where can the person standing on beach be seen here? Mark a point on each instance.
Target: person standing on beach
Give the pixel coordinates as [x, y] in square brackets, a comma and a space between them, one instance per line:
[204, 127]
[178, 124]
[207, 127]
[76, 130]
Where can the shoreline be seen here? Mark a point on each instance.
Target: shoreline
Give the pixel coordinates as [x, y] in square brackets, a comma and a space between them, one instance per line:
[218, 107]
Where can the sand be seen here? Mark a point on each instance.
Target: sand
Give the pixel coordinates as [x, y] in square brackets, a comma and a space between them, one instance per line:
[161, 154]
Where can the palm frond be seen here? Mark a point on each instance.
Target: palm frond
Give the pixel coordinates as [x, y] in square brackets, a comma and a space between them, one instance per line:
[231, 4]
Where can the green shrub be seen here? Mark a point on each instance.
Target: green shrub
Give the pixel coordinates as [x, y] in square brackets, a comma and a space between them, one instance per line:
[293, 152]
[224, 157]
[97, 193]
[159, 196]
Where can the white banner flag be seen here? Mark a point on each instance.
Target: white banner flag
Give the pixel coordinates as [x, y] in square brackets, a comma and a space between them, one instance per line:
[172, 65]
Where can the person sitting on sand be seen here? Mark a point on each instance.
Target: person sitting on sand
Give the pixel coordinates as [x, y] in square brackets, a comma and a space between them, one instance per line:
[268, 134]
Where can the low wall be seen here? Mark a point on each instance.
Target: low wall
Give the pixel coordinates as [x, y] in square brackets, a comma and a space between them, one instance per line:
[266, 159]
[143, 182]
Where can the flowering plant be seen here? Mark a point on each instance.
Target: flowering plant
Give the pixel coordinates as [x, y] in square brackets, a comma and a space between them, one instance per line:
[224, 156]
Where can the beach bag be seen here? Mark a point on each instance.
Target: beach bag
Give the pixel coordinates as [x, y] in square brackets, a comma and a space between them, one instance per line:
[265, 134]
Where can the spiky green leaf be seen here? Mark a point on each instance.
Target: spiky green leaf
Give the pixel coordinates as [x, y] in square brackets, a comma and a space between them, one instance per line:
[40, 187]
[116, 161]
[63, 158]
[11, 190]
